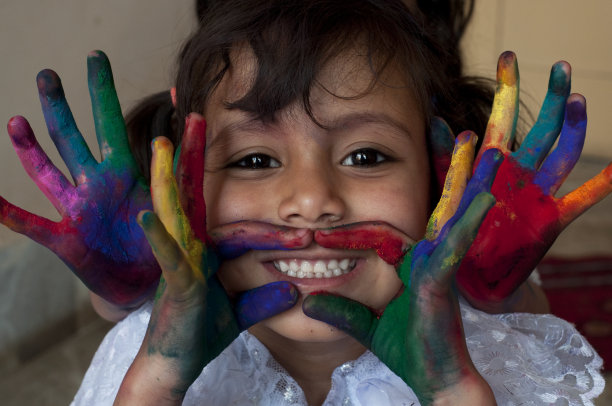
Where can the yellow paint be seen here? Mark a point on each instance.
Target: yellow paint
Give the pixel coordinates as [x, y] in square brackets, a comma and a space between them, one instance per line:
[456, 180]
[502, 122]
[167, 205]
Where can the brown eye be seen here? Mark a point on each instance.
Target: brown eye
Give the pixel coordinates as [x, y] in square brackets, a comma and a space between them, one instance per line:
[365, 157]
[256, 161]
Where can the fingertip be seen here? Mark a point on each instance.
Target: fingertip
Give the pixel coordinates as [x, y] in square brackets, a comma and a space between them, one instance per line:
[161, 143]
[493, 157]
[466, 136]
[98, 69]
[95, 54]
[507, 68]
[560, 78]
[486, 200]
[20, 132]
[575, 111]
[195, 125]
[49, 84]
[145, 218]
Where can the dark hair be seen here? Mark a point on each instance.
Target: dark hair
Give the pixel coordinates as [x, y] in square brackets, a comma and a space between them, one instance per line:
[292, 41]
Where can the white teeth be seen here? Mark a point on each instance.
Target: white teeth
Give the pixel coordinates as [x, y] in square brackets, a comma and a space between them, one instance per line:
[306, 267]
[344, 264]
[320, 268]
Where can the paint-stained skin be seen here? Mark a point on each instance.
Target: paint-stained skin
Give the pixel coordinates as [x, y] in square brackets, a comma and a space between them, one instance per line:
[419, 334]
[97, 237]
[527, 217]
[193, 319]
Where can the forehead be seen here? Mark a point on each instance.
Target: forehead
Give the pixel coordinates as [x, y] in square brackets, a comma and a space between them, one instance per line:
[352, 77]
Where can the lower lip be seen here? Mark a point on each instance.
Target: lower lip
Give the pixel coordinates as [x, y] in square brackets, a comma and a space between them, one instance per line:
[318, 283]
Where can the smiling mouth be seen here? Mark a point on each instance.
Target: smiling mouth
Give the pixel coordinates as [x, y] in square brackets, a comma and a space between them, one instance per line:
[315, 269]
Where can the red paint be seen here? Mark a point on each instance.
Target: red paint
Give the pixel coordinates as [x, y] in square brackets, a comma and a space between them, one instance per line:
[388, 243]
[513, 238]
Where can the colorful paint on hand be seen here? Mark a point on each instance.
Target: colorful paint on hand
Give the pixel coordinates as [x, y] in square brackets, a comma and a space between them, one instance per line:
[193, 319]
[98, 237]
[527, 217]
[419, 335]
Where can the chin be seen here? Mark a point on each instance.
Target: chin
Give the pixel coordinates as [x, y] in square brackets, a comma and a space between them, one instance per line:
[294, 325]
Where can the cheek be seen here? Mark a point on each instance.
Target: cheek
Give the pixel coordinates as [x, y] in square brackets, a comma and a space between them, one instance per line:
[227, 202]
[403, 203]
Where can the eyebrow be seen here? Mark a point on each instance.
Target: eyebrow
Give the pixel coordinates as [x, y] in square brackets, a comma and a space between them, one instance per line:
[248, 126]
[251, 126]
[354, 120]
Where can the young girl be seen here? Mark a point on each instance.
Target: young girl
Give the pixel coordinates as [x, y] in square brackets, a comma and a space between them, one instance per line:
[317, 173]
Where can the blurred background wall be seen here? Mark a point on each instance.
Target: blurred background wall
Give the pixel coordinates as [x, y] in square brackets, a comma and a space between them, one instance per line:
[41, 302]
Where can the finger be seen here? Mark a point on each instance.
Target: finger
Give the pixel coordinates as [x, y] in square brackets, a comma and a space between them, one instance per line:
[164, 192]
[543, 134]
[389, 243]
[481, 182]
[190, 173]
[37, 228]
[50, 180]
[347, 315]
[62, 128]
[233, 240]
[108, 118]
[447, 256]
[176, 270]
[592, 191]
[561, 161]
[266, 301]
[442, 145]
[454, 185]
[504, 114]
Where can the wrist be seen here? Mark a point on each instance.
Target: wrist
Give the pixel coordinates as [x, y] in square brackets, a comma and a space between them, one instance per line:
[110, 311]
[527, 298]
[469, 391]
[150, 380]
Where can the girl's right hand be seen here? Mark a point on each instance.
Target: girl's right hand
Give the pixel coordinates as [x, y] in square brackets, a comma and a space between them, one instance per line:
[97, 236]
[193, 319]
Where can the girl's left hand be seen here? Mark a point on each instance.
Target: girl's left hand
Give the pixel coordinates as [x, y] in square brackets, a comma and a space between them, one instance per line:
[419, 335]
[527, 217]
[193, 319]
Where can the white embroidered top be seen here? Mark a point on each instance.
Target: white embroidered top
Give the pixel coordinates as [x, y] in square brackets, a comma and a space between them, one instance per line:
[527, 359]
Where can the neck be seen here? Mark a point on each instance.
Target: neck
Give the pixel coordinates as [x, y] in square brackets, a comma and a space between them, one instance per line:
[311, 364]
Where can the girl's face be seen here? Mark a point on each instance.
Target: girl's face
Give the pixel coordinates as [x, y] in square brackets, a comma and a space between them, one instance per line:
[369, 163]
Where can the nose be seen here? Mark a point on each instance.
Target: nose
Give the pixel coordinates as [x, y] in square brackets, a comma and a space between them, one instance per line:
[312, 198]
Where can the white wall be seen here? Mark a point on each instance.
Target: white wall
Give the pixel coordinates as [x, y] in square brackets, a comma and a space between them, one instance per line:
[141, 38]
[542, 32]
